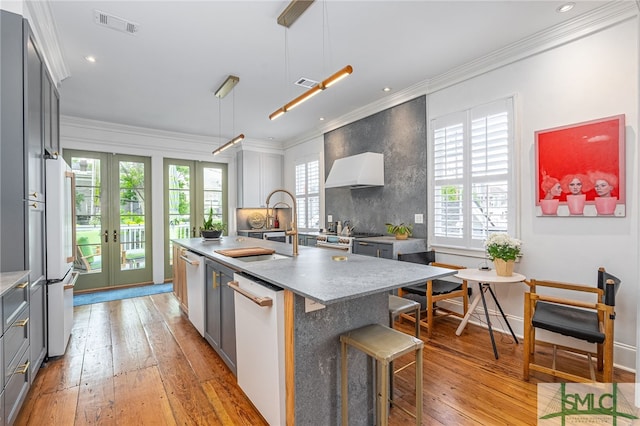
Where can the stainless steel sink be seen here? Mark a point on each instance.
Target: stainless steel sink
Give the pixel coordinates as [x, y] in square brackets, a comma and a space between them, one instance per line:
[262, 257]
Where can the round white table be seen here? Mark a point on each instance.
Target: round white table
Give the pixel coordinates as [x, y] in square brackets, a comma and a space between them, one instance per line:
[484, 279]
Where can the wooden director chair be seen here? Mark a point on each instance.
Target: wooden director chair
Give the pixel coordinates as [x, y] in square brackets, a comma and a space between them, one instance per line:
[588, 321]
[433, 291]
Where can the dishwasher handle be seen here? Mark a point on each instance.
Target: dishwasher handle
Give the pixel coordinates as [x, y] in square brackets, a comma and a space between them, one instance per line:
[189, 261]
[258, 300]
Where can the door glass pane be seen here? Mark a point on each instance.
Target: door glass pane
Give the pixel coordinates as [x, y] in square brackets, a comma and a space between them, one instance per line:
[132, 215]
[212, 186]
[88, 214]
[179, 204]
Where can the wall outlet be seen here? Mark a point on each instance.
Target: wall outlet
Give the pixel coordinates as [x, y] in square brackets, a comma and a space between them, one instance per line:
[418, 218]
[329, 218]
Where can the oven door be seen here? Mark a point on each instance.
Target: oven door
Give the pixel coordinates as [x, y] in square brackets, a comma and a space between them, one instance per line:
[275, 236]
[333, 246]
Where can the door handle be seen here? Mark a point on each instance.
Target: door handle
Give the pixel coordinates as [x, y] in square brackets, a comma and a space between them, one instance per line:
[106, 236]
[193, 232]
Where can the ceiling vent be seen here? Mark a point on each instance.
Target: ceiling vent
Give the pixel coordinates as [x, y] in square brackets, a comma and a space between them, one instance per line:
[305, 82]
[115, 23]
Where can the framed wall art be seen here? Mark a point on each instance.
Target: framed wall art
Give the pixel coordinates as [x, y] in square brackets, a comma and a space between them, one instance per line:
[580, 169]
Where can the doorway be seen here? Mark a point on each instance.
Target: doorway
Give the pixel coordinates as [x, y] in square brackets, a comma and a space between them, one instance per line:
[113, 222]
[192, 189]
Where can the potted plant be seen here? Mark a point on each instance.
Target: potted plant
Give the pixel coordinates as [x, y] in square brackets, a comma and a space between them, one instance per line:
[503, 250]
[211, 229]
[401, 231]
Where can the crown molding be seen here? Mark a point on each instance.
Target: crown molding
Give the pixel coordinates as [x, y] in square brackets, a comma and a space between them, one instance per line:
[44, 29]
[577, 28]
[588, 23]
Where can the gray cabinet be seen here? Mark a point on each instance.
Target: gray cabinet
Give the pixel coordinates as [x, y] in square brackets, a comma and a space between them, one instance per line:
[307, 240]
[14, 344]
[29, 120]
[37, 326]
[22, 228]
[374, 249]
[220, 327]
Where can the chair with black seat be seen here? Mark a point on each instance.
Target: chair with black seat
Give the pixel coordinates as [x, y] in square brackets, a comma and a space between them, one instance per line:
[432, 291]
[589, 321]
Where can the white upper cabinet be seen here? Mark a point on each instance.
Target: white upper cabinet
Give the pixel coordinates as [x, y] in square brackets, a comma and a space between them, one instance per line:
[259, 173]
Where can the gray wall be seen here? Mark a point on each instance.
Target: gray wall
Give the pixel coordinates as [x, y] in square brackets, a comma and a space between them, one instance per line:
[400, 133]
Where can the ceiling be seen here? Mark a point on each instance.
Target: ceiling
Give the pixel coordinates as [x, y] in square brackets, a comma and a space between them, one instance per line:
[164, 76]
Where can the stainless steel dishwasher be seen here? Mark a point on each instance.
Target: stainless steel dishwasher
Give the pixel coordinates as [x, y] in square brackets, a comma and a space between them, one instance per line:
[260, 345]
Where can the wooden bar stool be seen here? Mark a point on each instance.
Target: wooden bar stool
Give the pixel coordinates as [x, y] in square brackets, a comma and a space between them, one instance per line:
[383, 344]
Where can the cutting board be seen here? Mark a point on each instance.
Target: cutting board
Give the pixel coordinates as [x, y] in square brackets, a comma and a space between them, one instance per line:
[245, 251]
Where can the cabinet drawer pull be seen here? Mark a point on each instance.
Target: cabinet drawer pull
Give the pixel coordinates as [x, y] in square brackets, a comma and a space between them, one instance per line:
[22, 323]
[34, 195]
[34, 205]
[22, 369]
[23, 285]
[258, 300]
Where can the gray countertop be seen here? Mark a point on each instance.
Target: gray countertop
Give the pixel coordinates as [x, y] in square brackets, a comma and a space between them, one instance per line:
[8, 279]
[314, 274]
[388, 240]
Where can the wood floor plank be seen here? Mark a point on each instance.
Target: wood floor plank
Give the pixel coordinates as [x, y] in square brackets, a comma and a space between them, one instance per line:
[141, 361]
[140, 395]
[53, 408]
[95, 404]
[131, 349]
[60, 373]
[188, 401]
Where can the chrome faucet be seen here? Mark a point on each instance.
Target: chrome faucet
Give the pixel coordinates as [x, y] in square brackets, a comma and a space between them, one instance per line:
[294, 220]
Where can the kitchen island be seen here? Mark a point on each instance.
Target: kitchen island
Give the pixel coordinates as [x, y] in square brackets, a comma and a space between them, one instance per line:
[353, 292]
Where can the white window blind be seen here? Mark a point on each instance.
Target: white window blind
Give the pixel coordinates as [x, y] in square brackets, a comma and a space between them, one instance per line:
[307, 176]
[472, 175]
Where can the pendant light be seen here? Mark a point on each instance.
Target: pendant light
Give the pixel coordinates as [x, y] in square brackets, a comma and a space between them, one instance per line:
[326, 83]
[222, 91]
[330, 81]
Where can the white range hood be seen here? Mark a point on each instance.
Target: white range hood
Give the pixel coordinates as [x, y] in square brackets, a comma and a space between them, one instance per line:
[358, 171]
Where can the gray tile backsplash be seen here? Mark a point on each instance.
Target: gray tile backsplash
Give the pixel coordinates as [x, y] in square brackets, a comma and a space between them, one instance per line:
[400, 133]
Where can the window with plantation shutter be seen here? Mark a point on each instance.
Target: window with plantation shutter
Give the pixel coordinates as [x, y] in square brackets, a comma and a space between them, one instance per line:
[472, 175]
[308, 193]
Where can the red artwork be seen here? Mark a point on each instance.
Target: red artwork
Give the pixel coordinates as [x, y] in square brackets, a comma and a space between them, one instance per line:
[580, 168]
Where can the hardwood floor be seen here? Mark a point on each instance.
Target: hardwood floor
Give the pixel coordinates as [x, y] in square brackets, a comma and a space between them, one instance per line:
[140, 361]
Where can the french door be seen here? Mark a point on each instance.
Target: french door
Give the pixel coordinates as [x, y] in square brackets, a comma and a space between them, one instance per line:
[113, 222]
[191, 189]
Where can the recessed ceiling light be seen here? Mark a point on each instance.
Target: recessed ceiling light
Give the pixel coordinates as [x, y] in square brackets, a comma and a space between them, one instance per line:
[386, 89]
[90, 58]
[321, 118]
[565, 7]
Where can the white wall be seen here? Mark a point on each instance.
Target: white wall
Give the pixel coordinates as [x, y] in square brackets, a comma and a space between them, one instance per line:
[593, 77]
